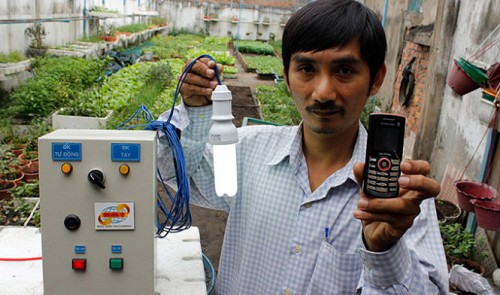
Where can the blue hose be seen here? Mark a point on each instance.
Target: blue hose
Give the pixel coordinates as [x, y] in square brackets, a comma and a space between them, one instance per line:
[208, 265]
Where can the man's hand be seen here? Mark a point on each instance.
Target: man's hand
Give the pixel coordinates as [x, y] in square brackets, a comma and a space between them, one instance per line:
[200, 82]
[386, 220]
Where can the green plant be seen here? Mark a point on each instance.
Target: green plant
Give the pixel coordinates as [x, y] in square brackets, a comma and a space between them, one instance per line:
[255, 47]
[132, 28]
[277, 105]
[26, 190]
[17, 211]
[56, 82]
[87, 104]
[458, 242]
[264, 64]
[372, 104]
[9, 162]
[12, 57]
[102, 9]
[159, 20]
[37, 33]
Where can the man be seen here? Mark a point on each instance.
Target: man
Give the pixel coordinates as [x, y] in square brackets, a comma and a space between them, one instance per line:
[297, 183]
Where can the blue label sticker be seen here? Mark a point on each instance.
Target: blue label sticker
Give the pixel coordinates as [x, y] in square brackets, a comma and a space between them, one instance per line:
[125, 152]
[80, 249]
[66, 151]
[116, 249]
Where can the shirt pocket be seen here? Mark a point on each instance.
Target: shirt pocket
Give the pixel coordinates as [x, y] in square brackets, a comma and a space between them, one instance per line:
[335, 272]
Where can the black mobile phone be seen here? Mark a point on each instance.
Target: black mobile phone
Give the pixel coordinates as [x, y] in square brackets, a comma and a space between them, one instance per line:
[384, 153]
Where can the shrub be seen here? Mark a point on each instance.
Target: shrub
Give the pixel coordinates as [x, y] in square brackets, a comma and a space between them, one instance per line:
[55, 83]
[277, 105]
[255, 47]
[12, 57]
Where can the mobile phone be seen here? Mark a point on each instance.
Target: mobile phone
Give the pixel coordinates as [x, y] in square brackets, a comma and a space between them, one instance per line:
[384, 152]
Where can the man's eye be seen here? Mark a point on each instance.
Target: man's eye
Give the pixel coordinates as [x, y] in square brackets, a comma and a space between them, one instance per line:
[305, 69]
[345, 71]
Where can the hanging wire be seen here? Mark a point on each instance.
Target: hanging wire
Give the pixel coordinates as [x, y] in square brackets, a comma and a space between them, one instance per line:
[177, 216]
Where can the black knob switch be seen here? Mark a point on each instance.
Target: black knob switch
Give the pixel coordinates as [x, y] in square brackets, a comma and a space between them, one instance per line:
[97, 177]
[72, 222]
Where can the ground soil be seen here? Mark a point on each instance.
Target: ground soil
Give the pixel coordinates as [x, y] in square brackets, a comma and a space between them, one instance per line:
[212, 223]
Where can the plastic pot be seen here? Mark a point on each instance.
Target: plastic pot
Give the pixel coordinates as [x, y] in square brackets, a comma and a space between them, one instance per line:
[469, 190]
[465, 77]
[487, 214]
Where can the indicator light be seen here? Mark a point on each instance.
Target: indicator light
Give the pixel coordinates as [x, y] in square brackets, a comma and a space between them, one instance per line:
[116, 263]
[66, 168]
[124, 169]
[79, 263]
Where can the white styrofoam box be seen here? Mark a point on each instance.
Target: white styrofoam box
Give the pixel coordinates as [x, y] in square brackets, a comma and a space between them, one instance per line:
[179, 263]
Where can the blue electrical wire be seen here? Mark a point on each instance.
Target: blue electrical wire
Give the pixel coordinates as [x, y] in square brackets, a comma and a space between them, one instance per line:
[177, 217]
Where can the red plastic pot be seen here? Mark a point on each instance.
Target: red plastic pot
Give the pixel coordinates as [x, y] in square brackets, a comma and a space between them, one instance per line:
[487, 214]
[465, 77]
[469, 190]
[459, 81]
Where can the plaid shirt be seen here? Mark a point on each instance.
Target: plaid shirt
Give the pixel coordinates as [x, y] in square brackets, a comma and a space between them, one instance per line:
[275, 241]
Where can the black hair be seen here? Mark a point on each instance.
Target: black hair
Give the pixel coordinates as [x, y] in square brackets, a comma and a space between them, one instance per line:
[326, 24]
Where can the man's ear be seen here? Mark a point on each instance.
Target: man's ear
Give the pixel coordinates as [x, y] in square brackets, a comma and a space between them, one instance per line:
[285, 77]
[379, 79]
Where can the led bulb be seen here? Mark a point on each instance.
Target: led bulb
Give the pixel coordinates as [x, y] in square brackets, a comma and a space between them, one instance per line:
[223, 135]
[226, 179]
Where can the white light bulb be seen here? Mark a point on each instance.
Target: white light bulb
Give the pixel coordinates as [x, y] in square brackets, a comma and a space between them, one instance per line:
[223, 135]
[225, 174]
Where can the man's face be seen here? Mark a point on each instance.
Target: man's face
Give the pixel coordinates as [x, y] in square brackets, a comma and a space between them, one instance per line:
[330, 88]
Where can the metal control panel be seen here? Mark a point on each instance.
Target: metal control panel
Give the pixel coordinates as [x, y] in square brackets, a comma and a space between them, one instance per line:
[97, 193]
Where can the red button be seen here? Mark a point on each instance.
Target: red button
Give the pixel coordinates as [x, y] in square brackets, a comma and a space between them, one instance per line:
[79, 264]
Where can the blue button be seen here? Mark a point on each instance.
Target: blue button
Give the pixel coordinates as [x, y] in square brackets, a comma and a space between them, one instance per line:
[80, 249]
[116, 249]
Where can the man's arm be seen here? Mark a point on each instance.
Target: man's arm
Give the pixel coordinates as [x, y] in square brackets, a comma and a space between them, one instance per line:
[193, 119]
[403, 244]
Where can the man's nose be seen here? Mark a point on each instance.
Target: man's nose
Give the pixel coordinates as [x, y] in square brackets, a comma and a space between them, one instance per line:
[326, 88]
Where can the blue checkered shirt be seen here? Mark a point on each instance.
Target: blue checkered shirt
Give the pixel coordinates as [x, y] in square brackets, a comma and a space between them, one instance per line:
[275, 241]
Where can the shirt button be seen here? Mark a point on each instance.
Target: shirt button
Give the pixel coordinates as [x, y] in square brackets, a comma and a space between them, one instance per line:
[297, 249]
[307, 205]
[288, 291]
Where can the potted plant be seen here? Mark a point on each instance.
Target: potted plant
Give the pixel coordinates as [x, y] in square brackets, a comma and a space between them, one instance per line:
[9, 165]
[87, 111]
[447, 211]
[460, 247]
[37, 33]
[5, 189]
[26, 190]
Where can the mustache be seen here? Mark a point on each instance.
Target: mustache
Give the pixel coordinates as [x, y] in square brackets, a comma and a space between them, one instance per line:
[328, 106]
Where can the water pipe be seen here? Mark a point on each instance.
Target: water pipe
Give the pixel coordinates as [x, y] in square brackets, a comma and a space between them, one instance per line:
[43, 20]
[239, 27]
[85, 18]
[384, 17]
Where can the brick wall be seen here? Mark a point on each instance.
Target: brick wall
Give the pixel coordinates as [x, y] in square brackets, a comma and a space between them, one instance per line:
[419, 69]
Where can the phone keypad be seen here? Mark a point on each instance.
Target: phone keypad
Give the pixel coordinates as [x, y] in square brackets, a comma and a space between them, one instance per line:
[383, 175]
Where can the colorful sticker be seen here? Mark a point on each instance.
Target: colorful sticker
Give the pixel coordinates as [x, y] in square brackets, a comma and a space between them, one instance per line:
[114, 215]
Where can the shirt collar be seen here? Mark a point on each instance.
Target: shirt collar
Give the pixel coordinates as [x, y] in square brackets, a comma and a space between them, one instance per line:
[292, 148]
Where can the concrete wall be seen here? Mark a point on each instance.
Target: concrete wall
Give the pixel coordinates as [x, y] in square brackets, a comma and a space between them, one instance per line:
[62, 19]
[255, 22]
[460, 127]
[450, 126]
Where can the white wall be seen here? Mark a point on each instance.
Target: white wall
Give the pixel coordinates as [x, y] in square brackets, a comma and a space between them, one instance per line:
[189, 15]
[460, 129]
[62, 19]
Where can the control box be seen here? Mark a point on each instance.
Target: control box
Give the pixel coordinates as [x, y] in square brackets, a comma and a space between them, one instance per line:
[97, 194]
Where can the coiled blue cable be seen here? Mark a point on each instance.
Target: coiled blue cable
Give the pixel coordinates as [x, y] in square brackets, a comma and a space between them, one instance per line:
[177, 217]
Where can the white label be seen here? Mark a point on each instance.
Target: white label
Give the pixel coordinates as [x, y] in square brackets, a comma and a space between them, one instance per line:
[114, 215]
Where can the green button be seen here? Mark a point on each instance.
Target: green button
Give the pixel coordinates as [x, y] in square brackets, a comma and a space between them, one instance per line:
[116, 263]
